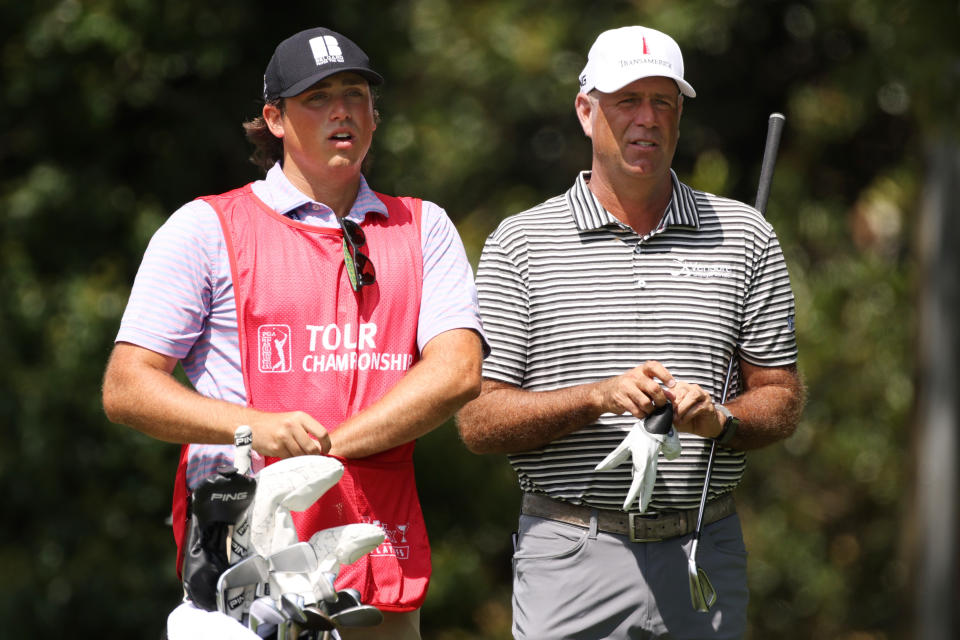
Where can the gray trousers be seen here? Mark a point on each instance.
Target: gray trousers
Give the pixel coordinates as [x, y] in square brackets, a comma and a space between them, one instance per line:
[571, 582]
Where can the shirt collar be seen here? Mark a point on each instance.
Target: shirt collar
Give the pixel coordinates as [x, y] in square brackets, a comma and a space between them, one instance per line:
[589, 214]
[279, 194]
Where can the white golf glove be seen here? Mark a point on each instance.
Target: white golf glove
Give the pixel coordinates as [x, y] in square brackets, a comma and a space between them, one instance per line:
[643, 447]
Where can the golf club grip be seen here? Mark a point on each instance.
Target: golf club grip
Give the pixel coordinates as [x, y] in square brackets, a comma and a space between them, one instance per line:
[774, 130]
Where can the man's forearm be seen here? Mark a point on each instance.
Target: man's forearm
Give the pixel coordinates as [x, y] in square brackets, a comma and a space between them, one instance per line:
[769, 410]
[152, 401]
[139, 391]
[429, 393]
[506, 419]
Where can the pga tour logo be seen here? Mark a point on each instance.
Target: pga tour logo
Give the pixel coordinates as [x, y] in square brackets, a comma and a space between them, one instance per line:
[275, 354]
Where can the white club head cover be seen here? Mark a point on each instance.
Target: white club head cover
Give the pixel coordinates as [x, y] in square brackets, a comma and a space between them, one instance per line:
[292, 484]
[642, 447]
[189, 622]
[338, 546]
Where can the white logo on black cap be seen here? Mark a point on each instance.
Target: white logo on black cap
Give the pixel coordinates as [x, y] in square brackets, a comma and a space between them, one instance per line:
[326, 49]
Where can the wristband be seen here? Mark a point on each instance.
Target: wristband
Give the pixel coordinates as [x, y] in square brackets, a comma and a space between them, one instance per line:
[730, 426]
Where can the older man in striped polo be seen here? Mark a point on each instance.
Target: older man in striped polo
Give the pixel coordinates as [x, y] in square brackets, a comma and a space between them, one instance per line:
[629, 291]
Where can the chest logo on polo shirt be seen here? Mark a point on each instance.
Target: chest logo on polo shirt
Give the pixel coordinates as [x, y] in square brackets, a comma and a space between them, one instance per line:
[690, 269]
[274, 351]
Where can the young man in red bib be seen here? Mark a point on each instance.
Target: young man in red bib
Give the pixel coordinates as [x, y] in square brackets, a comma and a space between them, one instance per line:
[330, 318]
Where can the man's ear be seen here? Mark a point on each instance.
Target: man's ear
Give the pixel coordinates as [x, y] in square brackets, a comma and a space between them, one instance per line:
[584, 106]
[273, 116]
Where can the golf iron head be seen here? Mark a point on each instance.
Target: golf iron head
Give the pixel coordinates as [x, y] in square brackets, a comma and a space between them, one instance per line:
[265, 617]
[249, 572]
[349, 611]
[317, 620]
[702, 594]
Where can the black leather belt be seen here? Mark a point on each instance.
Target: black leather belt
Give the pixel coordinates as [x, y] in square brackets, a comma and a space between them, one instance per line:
[637, 526]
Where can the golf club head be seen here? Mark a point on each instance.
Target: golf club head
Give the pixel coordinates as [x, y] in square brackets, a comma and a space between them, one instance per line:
[317, 620]
[288, 630]
[290, 571]
[297, 558]
[352, 593]
[349, 611]
[702, 594]
[249, 572]
[265, 617]
[363, 616]
[292, 607]
[660, 421]
[346, 599]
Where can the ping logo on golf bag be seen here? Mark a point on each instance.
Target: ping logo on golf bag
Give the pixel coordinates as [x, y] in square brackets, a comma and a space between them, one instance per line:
[326, 49]
[274, 351]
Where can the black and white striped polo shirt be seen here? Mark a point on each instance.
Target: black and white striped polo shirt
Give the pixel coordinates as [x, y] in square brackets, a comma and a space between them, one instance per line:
[569, 295]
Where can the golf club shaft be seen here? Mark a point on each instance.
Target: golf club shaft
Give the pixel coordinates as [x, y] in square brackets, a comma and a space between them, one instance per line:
[774, 129]
[772, 146]
[713, 451]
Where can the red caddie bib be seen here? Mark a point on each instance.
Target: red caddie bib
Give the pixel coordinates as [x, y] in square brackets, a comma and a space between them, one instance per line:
[308, 342]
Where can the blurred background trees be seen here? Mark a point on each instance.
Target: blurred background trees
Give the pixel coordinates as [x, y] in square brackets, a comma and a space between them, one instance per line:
[115, 112]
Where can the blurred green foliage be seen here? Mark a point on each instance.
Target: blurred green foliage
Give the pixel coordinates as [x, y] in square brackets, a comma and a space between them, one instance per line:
[115, 112]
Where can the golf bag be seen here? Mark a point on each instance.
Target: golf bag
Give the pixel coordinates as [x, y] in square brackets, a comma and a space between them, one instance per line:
[217, 504]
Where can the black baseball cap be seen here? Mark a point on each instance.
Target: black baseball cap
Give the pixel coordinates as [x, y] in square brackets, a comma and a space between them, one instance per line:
[308, 57]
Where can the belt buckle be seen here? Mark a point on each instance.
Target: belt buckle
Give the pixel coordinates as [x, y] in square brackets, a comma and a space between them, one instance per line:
[632, 533]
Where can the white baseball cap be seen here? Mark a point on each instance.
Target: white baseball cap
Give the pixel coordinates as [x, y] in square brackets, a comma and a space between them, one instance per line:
[620, 56]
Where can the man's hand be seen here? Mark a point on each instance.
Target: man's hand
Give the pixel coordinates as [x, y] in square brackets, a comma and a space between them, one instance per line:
[694, 410]
[284, 435]
[637, 392]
